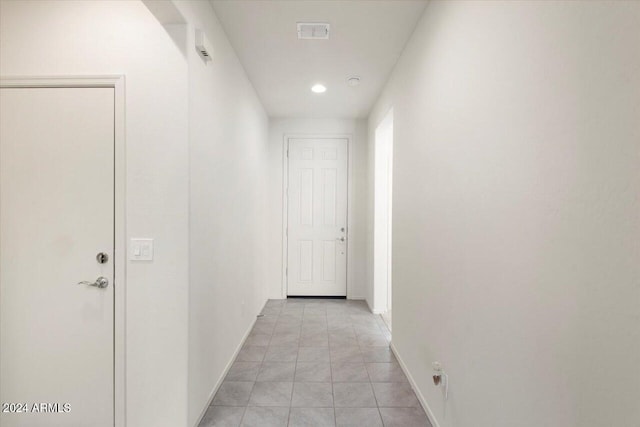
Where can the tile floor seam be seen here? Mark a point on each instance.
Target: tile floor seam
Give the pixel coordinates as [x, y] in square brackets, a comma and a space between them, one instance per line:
[244, 413]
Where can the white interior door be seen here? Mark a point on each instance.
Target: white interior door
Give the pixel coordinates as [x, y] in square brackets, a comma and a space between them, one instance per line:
[317, 217]
[56, 215]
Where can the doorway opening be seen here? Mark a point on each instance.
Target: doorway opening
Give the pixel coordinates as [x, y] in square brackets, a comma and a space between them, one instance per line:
[383, 197]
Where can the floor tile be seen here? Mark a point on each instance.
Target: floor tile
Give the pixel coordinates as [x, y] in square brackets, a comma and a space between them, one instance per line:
[345, 354]
[404, 417]
[277, 371]
[258, 339]
[313, 354]
[310, 395]
[286, 353]
[233, 393]
[293, 314]
[313, 372]
[366, 328]
[313, 328]
[395, 395]
[265, 417]
[342, 321]
[315, 311]
[252, 353]
[263, 328]
[282, 320]
[372, 340]
[286, 328]
[243, 371]
[337, 311]
[364, 319]
[271, 394]
[349, 372]
[271, 310]
[358, 417]
[385, 372]
[285, 339]
[320, 339]
[305, 356]
[268, 319]
[354, 395]
[311, 417]
[222, 416]
[275, 302]
[342, 340]
[377, 354]
[345, 328]
[343, 333]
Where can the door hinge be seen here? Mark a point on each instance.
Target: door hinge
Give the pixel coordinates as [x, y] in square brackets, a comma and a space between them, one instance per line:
[287, 152]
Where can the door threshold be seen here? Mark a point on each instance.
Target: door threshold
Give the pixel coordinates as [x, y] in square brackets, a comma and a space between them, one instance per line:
[315, 297]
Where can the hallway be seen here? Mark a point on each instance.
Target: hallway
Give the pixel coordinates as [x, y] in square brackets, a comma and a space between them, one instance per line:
[209, 210]
[316, 362]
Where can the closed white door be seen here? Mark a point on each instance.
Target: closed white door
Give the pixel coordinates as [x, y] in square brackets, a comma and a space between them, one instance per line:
[56, 216]
[317, 217]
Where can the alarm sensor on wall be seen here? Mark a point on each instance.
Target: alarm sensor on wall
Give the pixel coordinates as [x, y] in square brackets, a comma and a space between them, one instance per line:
[203, 47]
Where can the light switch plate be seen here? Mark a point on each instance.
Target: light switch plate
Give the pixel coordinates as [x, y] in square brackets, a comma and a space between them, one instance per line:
[141, 250]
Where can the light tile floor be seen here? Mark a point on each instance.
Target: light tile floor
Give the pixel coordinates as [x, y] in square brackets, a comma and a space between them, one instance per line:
[316, 362]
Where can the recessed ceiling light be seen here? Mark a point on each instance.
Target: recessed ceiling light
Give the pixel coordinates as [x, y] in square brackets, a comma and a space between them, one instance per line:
[318, 88]
[353, 81]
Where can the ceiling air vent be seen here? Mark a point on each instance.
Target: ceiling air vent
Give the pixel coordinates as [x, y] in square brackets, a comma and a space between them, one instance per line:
[313, 30]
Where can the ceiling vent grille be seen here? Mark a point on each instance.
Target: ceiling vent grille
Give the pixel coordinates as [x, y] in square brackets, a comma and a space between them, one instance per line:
[313, 30]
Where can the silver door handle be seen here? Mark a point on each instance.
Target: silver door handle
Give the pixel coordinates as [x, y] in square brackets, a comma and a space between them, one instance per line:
[101, 282]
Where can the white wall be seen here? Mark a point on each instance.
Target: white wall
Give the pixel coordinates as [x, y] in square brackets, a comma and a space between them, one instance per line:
[516, 215]
[382, 215]
[73, 38]
[359, 232]
[228, 191]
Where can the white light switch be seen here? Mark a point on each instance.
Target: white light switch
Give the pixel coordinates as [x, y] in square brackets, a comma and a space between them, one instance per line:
[141, 250]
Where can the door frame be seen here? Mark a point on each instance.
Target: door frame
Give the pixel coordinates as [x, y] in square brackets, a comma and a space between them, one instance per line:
[117, 82]
[285, 204]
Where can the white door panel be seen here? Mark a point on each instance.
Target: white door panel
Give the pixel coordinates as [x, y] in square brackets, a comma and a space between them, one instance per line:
[317, 217]
[56, 215]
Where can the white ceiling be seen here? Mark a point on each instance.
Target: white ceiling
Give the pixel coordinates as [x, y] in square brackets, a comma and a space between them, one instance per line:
[366, 39]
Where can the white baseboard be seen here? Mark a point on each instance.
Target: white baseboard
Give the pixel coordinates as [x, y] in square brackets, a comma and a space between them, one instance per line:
[414, 386]
[224, 373]
[371, 308]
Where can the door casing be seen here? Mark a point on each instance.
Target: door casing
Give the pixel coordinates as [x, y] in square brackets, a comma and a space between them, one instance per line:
[285, 204]
[117, 82]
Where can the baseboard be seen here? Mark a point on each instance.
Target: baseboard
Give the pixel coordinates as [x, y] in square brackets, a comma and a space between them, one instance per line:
[414, 386]
[224, 373]
[372, 309]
